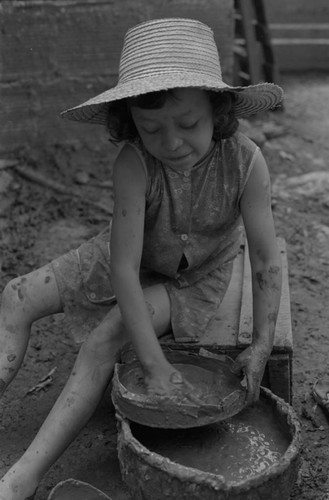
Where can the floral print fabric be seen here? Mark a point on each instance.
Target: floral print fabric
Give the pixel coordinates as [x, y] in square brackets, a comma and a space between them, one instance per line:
[194, 216]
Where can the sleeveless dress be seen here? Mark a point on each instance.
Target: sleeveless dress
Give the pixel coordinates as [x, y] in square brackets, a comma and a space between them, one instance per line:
[193, 231]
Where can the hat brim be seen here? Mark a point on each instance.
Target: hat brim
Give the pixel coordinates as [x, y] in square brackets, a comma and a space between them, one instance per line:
[249, 100]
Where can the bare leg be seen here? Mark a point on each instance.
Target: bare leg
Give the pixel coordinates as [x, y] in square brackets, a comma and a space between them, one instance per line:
[79, 398]
[24, 300]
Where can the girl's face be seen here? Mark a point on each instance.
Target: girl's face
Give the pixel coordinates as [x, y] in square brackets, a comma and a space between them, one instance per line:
[180, 133]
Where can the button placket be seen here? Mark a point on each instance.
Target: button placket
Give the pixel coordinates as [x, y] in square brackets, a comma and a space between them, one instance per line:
[182, 188]
[186, 180]
[186, 186]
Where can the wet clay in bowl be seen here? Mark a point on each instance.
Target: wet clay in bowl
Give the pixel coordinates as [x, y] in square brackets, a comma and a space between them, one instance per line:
[254, 455]
[219, 390]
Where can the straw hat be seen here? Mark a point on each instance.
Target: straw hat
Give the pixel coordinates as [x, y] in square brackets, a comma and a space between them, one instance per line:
[169, 53]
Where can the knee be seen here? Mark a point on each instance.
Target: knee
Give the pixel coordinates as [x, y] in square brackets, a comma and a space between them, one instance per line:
[108, 337]
[14, 294]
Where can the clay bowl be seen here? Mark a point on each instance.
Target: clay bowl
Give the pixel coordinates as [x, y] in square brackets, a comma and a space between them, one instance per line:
[153, 476]
[72, 489]
[219, 389]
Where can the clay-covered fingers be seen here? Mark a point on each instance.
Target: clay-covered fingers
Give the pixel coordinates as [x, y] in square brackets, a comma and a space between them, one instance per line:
[251, 362]
[184, 390]
[253, 385]
[174, 389]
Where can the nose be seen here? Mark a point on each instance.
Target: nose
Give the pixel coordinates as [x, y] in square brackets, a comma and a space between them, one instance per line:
[171, 140]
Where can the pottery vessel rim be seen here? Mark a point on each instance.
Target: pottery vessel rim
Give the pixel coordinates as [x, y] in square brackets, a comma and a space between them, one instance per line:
[138, 409]
[214, 480]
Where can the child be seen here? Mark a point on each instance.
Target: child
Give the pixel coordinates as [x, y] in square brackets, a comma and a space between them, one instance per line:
[184, 181]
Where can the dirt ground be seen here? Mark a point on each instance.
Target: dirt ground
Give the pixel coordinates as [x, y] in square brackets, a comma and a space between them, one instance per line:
[39, 223]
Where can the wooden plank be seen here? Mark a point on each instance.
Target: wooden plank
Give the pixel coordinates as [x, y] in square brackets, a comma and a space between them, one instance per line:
[270, 69]
[299, 44]
[297, 10]
[279, 368]
[253, 48]
[283, 331]
[252, 27]
[310, 31]
[301, 41]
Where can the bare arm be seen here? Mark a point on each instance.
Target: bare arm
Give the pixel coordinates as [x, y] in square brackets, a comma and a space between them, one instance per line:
[126, 250]
[266, 274]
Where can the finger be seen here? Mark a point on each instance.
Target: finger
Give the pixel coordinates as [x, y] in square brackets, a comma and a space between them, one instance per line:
[250, 390]
[188, 392]
[253, 389]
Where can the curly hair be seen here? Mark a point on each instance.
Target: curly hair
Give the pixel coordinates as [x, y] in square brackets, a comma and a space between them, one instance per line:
[121, 126]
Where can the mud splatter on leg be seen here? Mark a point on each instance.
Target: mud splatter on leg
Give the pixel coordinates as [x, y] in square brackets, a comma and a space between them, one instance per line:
[262, 283]
[20, 294]
[151, 309]
[272, 317]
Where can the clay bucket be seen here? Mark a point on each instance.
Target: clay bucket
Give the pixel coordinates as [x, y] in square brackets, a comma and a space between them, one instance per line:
[150, 476]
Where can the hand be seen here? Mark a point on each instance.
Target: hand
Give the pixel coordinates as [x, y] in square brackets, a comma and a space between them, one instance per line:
[252, 362]
[171, 385]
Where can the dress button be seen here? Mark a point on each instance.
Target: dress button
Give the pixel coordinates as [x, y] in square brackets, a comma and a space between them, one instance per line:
[186, 173]
[184, 237]
[93, 295]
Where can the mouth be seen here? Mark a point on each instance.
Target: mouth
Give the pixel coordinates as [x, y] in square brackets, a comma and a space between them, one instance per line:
[178, 158]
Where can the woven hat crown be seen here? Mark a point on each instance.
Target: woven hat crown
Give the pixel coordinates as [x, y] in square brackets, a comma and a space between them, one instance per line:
[172, 53]
[167, 46]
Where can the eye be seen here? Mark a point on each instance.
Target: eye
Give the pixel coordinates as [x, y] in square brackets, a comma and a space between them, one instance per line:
[187, 126]
[150, 131]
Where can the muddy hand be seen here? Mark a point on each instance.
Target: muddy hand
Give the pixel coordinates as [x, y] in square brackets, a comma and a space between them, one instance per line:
[174, 388]
[251, 362]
